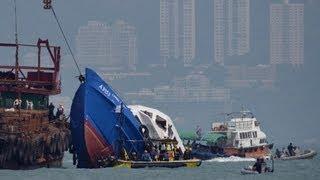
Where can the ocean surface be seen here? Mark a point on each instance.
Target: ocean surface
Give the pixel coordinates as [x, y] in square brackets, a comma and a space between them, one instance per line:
[215, 169]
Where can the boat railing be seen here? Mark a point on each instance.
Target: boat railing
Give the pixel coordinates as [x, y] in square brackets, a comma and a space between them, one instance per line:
[241, 114]
[38, 78]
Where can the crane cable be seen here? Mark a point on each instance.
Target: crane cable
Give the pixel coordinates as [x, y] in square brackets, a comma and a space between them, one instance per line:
[81, 77]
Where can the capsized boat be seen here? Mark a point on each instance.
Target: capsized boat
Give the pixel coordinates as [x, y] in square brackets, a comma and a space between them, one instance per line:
[159, 126]
[101, 124]
[306, 154]
[165, 164]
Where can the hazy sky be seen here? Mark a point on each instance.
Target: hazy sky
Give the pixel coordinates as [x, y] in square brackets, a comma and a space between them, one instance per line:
[289, 113]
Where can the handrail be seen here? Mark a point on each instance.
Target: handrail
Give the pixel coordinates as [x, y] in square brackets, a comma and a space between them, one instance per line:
[24, 45]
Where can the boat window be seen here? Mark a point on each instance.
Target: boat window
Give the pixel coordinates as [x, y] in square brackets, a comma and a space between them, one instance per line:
[250, 134]
[256, 123]
[255, 134]
[148, 113]
[236, 143]
[242, 125]
[241, 135]
[161, 122]
[232, 124]
[262, 141]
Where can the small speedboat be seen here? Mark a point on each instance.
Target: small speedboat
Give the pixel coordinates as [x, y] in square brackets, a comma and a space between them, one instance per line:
[163, 164]
[250, 170]
[307, 154]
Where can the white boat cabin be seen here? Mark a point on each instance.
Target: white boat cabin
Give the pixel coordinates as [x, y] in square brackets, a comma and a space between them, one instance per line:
[160, 125]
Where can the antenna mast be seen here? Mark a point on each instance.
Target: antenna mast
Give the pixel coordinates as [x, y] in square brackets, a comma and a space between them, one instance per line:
[16, 39]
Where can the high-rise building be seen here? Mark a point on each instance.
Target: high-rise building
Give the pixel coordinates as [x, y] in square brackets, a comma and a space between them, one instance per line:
[188, 31]
[91, 43]
[112, 45]
[231, 28]
[287, 33]
[123, 44]
[177, 30]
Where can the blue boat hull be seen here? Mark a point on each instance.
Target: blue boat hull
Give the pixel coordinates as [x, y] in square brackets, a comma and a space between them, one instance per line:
[101, 124]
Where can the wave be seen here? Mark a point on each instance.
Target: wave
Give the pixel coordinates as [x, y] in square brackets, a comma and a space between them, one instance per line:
[231, 159]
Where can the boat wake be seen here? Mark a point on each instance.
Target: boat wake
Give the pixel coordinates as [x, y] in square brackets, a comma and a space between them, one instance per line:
[231, 159]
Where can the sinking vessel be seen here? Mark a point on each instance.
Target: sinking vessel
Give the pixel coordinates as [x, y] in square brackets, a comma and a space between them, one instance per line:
[102, 125]
[159, 126]
[29, 137]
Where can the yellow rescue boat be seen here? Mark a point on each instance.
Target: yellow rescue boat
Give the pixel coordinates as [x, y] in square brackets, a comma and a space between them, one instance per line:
[192, 163]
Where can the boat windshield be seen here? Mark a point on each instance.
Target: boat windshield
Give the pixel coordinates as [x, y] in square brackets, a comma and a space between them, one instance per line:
[161, 122]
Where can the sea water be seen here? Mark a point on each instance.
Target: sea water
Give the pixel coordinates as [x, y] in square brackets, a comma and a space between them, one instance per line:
[215, 169]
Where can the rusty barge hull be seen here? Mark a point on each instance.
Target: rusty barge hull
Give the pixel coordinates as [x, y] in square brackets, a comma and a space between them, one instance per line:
[28, 140]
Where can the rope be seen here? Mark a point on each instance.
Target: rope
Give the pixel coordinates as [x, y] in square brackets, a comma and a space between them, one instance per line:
[67, 43]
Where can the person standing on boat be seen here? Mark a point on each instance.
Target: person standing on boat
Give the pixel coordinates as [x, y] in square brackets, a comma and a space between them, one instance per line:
[146, 156]
[187, 154]
[17, 104]
[51, 111]
[290, 149]
[30, 105]
[178, 153]
[154, 154]
[163, 148]
[199, 132]
[278, 153]
[60, 112]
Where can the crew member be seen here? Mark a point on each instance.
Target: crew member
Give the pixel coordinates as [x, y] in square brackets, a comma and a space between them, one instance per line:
[290, 149]
[16, 103]
[60, 112]
[257, 166]
[51, 111]
[146, 156]
[29, 105]
[278, 153]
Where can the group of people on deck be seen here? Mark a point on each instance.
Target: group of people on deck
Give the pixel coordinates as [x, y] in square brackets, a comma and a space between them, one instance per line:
[59, 114]
[289, 151]
[17, 104]
[164, 152]
[159, 152]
